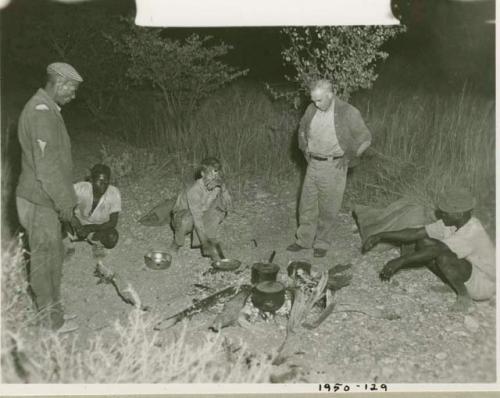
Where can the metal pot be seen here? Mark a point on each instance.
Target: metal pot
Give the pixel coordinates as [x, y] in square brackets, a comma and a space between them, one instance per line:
[268, 296]
[262, 272]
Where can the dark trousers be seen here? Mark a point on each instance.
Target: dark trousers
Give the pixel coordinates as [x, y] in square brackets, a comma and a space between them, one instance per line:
[46, 258]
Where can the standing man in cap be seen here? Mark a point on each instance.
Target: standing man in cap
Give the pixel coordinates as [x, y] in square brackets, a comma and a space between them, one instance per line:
[332, 136]
[45, 194]
[456, 248]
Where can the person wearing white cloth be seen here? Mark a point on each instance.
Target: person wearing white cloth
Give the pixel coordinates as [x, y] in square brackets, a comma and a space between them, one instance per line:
[98, 208]
[456, 248]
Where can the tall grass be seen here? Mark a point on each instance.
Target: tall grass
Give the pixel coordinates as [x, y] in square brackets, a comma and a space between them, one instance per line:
[240, 125]
[129, 353]
[425, 142]
[422, 141]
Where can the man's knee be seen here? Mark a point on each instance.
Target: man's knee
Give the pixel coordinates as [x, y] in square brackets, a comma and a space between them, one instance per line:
[429, 242]
[108, 238]
[453, 267]
[182, 222]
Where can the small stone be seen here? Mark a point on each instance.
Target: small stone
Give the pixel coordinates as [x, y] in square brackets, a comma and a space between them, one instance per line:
[441, 356]
[471, 324]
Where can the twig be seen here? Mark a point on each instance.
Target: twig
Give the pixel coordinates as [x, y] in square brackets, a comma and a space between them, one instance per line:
[106, 276]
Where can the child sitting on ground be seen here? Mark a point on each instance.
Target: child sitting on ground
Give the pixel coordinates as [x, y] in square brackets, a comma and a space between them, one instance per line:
[200, 208]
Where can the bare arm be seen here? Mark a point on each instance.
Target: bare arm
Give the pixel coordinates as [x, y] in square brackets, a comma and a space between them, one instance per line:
[407, 235]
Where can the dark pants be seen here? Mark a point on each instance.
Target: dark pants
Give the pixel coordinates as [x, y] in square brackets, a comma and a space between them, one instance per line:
[46, 258]
[108, 237]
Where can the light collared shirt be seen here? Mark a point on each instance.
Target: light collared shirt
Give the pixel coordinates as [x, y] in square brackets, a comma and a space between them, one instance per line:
[472, 243]
[322, 136]
[109, 203]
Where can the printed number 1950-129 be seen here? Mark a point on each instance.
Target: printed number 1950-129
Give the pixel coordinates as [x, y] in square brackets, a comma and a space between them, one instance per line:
[340, 387]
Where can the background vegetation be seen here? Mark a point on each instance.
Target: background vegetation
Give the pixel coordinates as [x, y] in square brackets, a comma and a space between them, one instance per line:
[166, 96]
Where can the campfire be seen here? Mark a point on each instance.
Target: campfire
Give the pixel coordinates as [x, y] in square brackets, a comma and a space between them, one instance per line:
[266, 295]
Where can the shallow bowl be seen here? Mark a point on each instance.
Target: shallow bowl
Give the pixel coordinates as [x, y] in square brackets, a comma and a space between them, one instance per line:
[157, 259]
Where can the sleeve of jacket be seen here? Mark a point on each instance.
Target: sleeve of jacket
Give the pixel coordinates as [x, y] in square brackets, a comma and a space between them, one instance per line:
[46, 158]
[302, 131]
[360, 133]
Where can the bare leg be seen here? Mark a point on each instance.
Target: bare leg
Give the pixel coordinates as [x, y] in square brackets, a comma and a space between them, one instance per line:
[457, 272]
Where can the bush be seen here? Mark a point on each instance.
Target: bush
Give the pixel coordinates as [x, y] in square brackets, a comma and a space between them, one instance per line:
[184, 72]
[345, 55]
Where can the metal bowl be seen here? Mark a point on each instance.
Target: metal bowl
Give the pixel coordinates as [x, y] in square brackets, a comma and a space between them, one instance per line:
[157, 259]
[226, 264]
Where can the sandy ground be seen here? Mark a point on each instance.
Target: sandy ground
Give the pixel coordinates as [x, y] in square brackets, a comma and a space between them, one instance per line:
[425, 343]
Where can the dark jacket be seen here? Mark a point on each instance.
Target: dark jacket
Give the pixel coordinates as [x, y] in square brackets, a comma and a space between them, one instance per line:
[350, 128]
[47, 169]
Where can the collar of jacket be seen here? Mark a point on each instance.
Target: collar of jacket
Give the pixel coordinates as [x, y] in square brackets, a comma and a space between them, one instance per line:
[48, 99]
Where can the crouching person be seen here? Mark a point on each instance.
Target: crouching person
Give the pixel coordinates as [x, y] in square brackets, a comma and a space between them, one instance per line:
[456, 248]
[200, 209]
[96, 214]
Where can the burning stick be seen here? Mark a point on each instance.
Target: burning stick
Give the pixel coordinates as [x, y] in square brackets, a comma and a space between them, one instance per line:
[203, 304]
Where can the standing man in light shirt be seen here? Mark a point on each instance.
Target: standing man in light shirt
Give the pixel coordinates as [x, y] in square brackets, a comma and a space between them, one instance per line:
[332, 136]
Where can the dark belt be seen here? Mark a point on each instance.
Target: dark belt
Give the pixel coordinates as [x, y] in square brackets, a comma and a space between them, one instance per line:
[325, 158]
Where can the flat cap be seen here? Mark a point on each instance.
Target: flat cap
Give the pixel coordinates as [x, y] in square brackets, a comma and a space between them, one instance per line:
[65, 70]
[456, 200]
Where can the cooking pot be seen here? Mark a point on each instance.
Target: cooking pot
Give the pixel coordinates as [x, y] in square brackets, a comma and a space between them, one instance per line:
[268, 296]
[294, 266]
[265, 271]
[262, 272]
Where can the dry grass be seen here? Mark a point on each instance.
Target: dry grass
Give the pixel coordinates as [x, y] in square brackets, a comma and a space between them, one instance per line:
[132, 352]
[425, 142]
[250, 134]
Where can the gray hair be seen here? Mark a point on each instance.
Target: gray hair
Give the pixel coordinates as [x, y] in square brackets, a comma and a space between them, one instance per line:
[322, 84]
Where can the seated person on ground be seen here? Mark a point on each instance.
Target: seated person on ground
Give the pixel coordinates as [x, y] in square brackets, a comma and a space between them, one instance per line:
[99, 204]
[456, 248]
[200, 208]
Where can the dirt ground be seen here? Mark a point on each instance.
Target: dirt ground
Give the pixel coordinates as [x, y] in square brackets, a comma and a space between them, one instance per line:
[424, 343]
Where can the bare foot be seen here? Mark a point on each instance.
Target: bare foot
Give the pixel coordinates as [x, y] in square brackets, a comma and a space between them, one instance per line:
[463, 304]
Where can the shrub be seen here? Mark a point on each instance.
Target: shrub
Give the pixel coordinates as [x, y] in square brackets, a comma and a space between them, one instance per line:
[345, 55]
[184, 72]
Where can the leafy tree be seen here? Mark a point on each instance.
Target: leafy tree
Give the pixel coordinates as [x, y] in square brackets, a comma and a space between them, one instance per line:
[346, 55]
[185, 71]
